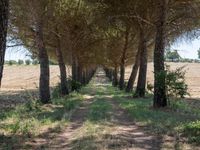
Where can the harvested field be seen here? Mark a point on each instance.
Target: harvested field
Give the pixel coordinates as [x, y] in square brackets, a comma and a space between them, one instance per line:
[25, 77]
[21, 82]
[192, 76]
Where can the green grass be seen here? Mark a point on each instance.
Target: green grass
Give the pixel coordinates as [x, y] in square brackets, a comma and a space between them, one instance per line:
[173, 121]
[192, 131]
[100, 110]
[33, 119]
[177, 120]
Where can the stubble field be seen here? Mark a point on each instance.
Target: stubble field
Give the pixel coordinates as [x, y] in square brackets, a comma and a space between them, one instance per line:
[18, 81]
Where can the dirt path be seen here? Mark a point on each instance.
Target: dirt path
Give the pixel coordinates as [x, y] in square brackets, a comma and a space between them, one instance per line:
[131, 135]
[118, 133]
[63, 140]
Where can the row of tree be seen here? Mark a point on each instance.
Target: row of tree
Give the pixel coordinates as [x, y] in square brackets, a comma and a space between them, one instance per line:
[113, 33]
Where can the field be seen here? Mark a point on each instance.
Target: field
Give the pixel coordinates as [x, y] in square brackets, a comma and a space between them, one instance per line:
[18, 80]
[21, 82]
[192, 76]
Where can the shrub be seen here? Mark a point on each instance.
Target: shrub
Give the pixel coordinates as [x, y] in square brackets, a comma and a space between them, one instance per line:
[20, 62]
[12, 62]
[35, 62]
[174, 81]
[56, 92]
[74, 85]
[28, 62]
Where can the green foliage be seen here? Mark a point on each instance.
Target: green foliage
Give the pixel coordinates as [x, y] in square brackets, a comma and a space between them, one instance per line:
[74, 85]
[172, 55]
[192, 130]
[20, 62]
[28, 62]
[56, 93]
[35, 62]
[175, 83]
[11, 62]
[174, 80]
[198, 53]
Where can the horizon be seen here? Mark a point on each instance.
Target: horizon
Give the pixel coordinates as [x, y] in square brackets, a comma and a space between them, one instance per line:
[185, 50]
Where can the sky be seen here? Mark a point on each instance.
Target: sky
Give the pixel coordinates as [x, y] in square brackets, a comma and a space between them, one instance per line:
[185, 49]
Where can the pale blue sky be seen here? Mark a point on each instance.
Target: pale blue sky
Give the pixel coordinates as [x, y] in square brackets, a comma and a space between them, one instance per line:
[186, 50]
[17, 53]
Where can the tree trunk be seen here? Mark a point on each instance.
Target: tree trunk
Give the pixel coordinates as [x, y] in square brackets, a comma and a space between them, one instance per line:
[62, 67]
[134, 72]
[4, 7]
[141, 85]
[122, 74]
[80, 75]
[44, 66]
[160, 99]
[84, 82]
[123, 61]
[74, 68]
[115, 77]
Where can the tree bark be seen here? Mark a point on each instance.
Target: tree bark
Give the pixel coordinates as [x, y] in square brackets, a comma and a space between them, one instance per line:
[62, 67]
[115, 77]
[122, 74]
[44, 66]
[123, 61]
[80, 73]
[141, 85]
[134, 72]
[84, 81]
[4, 11]
[160, 99]
[74, 68]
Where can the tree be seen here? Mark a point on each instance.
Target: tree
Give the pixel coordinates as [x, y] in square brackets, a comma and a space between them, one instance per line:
[4, 7]
[30, 19]
[160, 99]
[28, 62]
[141, 85]
[198, 53]
[20, 62]
[172, 55]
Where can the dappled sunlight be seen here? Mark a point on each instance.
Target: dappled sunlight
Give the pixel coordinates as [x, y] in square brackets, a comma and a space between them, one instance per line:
[100, 117]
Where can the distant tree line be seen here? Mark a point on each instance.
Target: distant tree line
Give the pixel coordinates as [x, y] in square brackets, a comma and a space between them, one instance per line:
[26, 62]
[174, 56]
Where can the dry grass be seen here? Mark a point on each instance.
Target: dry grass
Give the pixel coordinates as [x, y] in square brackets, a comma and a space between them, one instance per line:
[26, 77]
[20, 83]
[192, 76]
